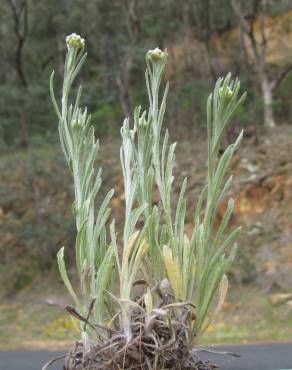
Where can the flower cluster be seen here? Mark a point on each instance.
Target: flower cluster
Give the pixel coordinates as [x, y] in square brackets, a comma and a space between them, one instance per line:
[75, 41]
[155, 55]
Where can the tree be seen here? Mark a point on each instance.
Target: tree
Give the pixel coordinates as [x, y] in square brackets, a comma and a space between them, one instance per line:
[203, 31]
[259, 51]
[124, 71]
[19, 13]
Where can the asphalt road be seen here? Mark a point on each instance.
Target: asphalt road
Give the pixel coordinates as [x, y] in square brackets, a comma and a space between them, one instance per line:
[253, 357]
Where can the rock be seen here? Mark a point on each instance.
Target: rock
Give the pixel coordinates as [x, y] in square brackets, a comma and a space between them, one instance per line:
[279, 298]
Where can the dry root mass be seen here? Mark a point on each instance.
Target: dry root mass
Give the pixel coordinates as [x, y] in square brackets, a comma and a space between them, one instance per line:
[161, 340]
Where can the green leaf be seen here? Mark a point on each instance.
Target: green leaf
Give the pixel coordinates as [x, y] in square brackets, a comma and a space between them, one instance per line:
[64, 275]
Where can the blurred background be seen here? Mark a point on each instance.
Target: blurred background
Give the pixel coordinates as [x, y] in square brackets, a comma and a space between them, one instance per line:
[205, 39]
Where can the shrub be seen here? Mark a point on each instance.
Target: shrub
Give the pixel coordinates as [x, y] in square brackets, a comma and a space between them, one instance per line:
[34, 196]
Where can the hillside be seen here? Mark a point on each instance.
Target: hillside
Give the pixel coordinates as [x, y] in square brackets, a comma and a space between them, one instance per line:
[225, 47]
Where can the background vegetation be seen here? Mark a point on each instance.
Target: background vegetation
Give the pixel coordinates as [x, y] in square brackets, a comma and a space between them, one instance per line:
[198, 35]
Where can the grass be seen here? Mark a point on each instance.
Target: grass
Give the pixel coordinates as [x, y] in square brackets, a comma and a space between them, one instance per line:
[28, 322]
[250, 317]
[264, 331]
[29, 327]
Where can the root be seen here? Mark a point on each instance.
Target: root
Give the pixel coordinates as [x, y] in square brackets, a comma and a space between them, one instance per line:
[160, 340]
[141, 353]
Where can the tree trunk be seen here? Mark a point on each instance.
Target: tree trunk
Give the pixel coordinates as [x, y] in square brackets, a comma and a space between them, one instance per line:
[243, 50]
[267, 95]
[212, 68]
[24, 131]
[123, 82]
[259, 50]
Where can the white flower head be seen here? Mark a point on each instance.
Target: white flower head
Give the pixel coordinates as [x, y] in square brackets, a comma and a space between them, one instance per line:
[155, 55]
[75, 41]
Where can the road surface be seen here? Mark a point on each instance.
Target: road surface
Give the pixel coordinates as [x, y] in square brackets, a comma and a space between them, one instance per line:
[253, 357]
